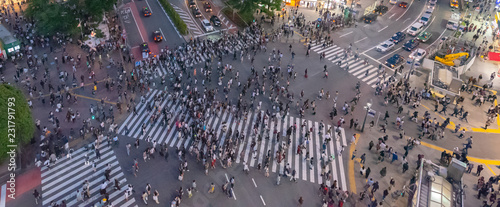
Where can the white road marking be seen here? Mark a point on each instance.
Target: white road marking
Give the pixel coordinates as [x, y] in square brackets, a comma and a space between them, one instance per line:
[135, 20]
[406, 20]
[234, 195]
[346, 34]
[255, 184]
[408, 8]
[392, 15]
[262, 199]
[389, 53]
[149, 7]
[366, 25]
[361, 40]
[383, 28]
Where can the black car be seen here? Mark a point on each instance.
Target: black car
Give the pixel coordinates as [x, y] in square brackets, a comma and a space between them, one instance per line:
[370, 18]
[145, 48]
[403, 4]
[215, 21]
[398, 37]
[146, 11]
[380, 10]
[157, 36]
[196, 12]
[192, 3]
[394, 61]
[207, 6]
[411, 44]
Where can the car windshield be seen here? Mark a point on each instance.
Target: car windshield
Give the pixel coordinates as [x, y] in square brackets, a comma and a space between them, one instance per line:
[206, 23]
[385, 45]
[413, 29]
[419, 54]
[425, 19]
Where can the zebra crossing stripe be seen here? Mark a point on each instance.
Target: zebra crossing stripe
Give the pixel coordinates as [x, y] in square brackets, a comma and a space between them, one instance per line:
[333, 153]
[255, 155]
[341, 162]
[370, 76]
[141, 109]
[62, 181]
[148, 118]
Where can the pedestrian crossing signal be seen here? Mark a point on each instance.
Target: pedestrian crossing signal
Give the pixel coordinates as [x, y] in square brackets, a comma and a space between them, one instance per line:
[132, 74]
[93, 117]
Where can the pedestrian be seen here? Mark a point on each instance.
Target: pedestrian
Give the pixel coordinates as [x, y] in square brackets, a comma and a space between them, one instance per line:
[301, 201]
[386, 193]
[36, 194]
[148, 189]
[405, 167]
[193, 186]
[128, 148]
[368, 170]
[155, 196]
[479, 169]
[383, 172]
[305, 74]
[363, 158]
[370, 145]
[212, 188]
[145, 197]
[353, 154]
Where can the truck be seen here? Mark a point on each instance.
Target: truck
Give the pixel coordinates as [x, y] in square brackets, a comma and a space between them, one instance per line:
[8, 44]
[453, 22]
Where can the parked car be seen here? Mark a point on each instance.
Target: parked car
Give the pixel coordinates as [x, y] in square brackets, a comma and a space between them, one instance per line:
[206, 25]
[207, 6]
[192, 3]
[157, 36]
[398, 37]
[425, 19]
[385, 46]
[370, 18]
[418, 54]
[394, 61]
[146, 11]
[411, 44]
[196, 12]
[381, 9]
[415, 28]
[424, 36]
[215, 21]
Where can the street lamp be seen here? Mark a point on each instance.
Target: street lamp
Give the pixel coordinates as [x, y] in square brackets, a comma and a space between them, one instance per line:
[367, 107]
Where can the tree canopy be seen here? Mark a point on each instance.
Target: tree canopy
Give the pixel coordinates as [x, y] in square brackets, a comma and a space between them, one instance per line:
[14, 114]
[246, 8]
[52, 17]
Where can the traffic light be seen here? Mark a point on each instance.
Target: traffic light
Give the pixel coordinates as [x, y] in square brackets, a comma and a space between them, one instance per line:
[95, 88]
[93, 117]
[132, 74]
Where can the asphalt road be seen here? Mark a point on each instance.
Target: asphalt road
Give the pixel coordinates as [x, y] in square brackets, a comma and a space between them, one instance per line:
[366, 37]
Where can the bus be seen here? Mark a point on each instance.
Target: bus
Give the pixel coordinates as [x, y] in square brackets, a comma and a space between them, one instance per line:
[454, 3]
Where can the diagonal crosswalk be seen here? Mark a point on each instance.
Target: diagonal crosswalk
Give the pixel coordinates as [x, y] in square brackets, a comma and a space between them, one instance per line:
[140, 126]
[366, 73]
[68, 175]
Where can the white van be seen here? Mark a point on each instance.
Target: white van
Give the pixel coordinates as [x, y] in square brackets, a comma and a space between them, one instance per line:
[425, 19]
[415, 28]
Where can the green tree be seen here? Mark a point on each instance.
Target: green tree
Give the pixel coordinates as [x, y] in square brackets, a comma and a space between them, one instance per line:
[246, 8]
[51, 17]
[15, 116]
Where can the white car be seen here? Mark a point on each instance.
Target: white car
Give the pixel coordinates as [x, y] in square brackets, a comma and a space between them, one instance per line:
[433, 1]
[385, 46]
[415, 28]
[206, 25]
[418, 54]
[429, 11]
[431, 5]
[425, 19]
[393, 1]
